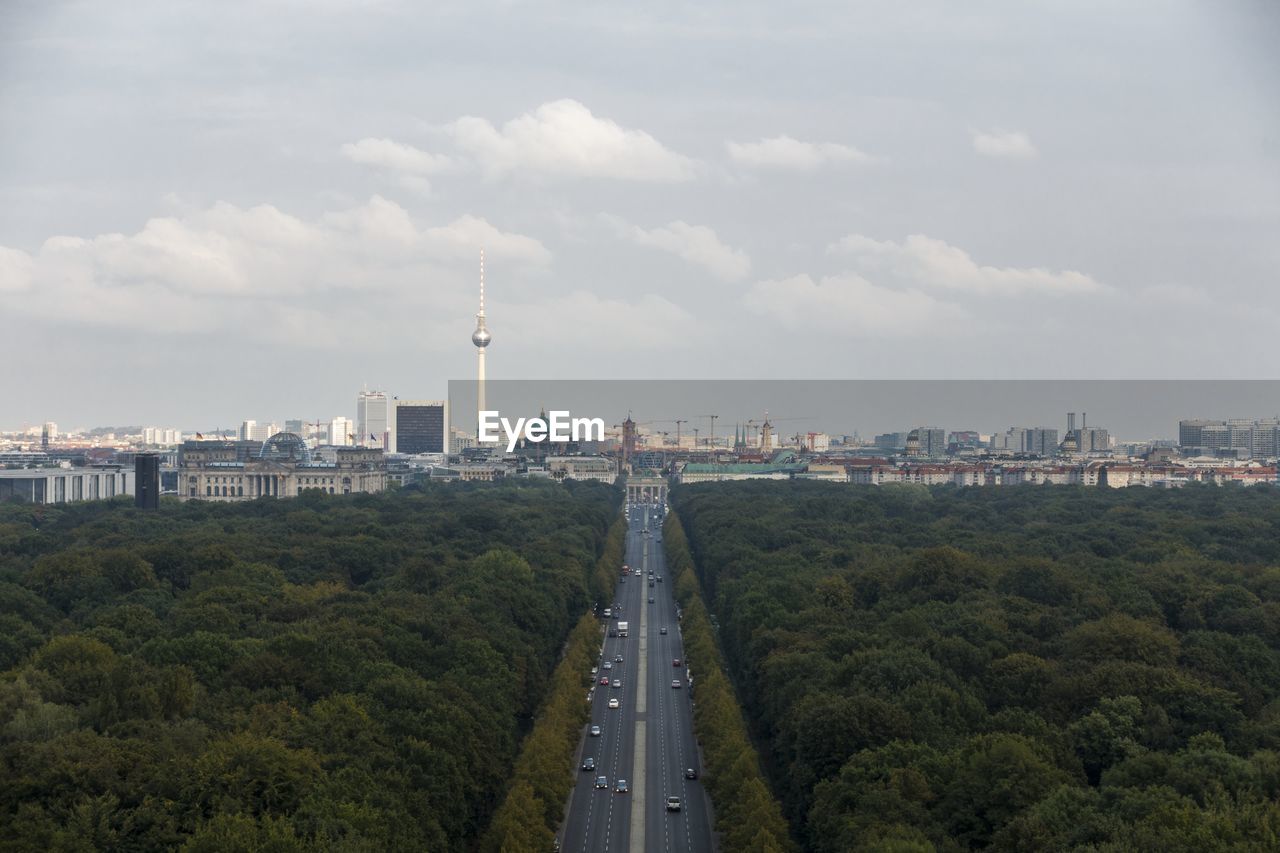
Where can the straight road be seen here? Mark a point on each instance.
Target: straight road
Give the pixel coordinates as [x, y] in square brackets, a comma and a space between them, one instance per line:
[648, 740]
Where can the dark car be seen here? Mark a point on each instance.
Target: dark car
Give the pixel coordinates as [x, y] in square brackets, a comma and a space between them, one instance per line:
[617, 658]
[613, 632]
[604, 679]
[621, 787]
[651, 599]
[662, 630]
[602, 781]
[676, 662]
[588, 763]
[690, 773]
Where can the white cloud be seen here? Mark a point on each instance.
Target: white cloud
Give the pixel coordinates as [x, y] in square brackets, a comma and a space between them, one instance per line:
[256, 272]
[930, 264]
[849, 303]
[464, 235]
[408, 165]
[783, 152]
[696, 244]
[596, 326]
[15, 270]
[1004, 144]
[563, 138]
[397, 156]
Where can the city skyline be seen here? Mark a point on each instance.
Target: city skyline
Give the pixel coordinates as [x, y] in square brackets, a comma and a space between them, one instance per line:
[1038, 200]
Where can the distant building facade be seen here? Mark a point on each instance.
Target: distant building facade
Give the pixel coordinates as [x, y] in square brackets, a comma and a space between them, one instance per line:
[1249, 439]
[372, 420]
[65, 485]
[582, 468]
[418, 426]
[283, 466]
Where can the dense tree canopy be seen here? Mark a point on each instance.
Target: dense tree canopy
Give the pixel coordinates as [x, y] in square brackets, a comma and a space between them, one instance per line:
[349, 673]
[1015, 669]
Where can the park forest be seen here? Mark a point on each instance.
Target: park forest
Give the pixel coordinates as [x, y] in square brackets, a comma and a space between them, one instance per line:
[345, 674]
[1029, 669]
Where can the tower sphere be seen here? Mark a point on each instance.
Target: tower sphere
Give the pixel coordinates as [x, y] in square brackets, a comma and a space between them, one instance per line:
[480, 337]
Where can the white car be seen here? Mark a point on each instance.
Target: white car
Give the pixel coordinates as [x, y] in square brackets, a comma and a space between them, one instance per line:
[613, 703]
[673, 804]
[595, 731]
[616, 683]
[675, 682]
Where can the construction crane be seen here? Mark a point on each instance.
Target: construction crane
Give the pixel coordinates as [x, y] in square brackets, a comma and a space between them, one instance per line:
[711, 439]
[678, 422]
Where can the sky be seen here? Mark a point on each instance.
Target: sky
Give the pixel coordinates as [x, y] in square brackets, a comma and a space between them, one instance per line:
[213, 211]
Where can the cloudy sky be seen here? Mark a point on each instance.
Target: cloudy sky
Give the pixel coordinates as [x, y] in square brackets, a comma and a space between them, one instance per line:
[212, 211]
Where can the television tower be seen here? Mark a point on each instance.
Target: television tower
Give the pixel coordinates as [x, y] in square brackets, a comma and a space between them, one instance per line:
[481, 338]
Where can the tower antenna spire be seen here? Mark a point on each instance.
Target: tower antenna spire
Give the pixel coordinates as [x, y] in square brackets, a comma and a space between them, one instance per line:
[480, 338]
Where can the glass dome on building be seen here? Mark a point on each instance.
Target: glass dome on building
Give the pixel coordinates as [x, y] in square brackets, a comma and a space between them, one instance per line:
[285, 447]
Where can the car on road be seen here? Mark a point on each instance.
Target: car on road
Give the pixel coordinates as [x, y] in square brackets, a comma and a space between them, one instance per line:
[595, 731]
[588, 763]
[659, 578]
[608, 665]
[675, 682]
[602, 781]
[673, 803]
[690, 773]
[677, 662]
[651, 599]
[604, 679]
[613, 703]
[621, 787]
[617, 659]
[661, 630]
[617, 682]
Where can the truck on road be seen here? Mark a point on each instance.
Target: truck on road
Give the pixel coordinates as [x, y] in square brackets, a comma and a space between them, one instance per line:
[622, 629]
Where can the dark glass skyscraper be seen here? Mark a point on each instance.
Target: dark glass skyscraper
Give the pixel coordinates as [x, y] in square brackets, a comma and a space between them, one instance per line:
[419, 426]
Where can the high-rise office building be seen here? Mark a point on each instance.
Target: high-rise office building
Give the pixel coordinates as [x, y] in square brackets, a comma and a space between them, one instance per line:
[254, 431]
[1256, 438]
[146, 475]
[891, 440]
[341, 431]
[933, 440]
[371, 419]
[418, 426]
[161, 437]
